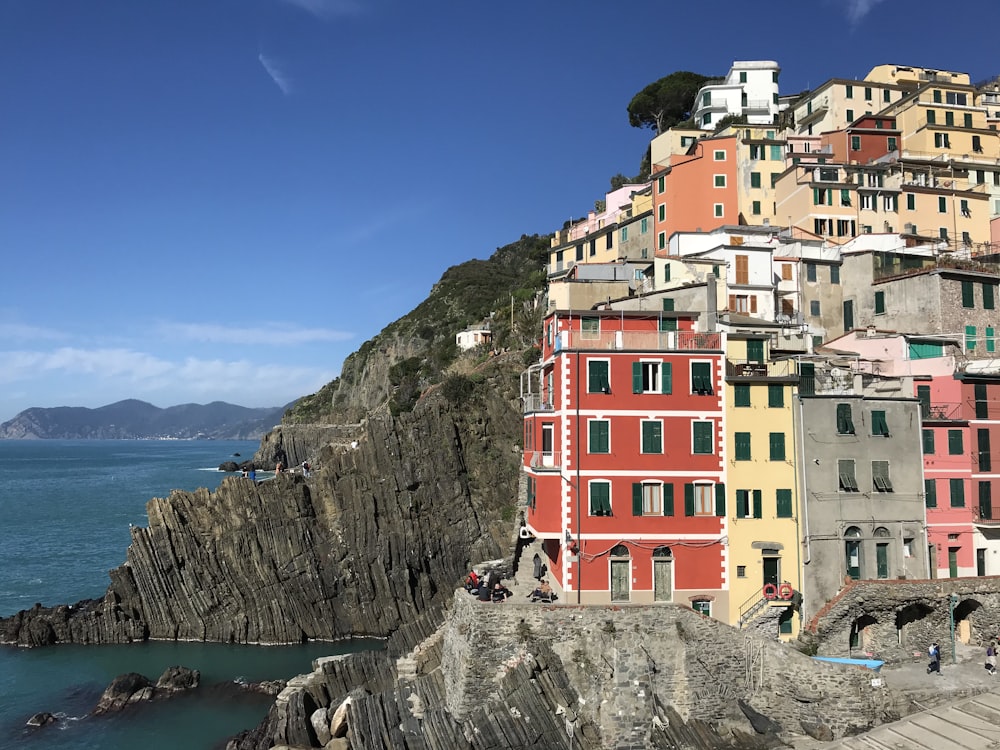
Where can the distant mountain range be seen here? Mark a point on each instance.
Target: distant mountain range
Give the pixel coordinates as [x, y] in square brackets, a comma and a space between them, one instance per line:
[133, 419]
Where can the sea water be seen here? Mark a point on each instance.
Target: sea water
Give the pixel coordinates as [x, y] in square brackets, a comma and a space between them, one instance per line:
[65, 511]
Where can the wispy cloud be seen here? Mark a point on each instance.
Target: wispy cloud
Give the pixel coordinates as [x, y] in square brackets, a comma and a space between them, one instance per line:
[274, 70]
[277, 334]
[327, 9]
[858, 9]
[23, 332]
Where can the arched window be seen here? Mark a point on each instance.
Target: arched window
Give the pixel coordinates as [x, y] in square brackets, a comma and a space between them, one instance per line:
[619, 550]
[882, 532]
[662, 552]
[852, 550]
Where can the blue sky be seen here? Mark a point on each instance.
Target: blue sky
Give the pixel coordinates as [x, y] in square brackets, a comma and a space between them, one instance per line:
[220, 199]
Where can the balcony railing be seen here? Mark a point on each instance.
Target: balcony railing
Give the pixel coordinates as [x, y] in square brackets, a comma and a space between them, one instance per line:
[988, 515]
[544, 459]
[535, 402]
[639, 340]
[744, 368]
[943, 411]
[757, 105]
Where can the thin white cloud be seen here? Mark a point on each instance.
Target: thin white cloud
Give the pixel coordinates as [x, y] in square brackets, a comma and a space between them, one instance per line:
[276, 334]
[327, 9]
[22, 332]
[273, 69]
[858, 9]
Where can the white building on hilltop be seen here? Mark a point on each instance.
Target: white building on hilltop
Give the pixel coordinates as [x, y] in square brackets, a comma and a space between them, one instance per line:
[750, 89]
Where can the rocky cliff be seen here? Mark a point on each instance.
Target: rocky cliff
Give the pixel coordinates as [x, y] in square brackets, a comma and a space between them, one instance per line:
[371, 544]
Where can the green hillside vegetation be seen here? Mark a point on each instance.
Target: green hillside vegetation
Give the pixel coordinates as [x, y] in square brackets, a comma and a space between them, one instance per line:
[419, 348]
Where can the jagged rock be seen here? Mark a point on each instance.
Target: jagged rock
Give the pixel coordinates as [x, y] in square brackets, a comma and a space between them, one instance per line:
[370, 546]
[817, 730]
[760, 723]
[338, 724]
[42, 719]
[229, 466]
[123, 690]
[338, 743]
[176, 679]
[320, 722]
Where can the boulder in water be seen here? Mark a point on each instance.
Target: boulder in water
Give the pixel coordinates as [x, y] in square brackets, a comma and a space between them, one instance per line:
[228, 466]
[175, 679]
[123, 690]
[41, 719]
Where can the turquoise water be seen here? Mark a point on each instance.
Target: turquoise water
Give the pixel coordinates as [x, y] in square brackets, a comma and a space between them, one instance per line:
[65, 509]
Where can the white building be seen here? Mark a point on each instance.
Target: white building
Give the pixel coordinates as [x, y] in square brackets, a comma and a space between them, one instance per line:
[750, 89]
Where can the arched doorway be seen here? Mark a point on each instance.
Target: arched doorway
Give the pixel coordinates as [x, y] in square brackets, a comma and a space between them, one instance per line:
[862, 633]
[852, 549]
[882, 552]
[621, 573]
[663, 563]
[908, 615]
[963, 624]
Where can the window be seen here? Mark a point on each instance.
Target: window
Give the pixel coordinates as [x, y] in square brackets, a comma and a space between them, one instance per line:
[719, 155]
[983, 446]
[599, 438]
[949, 118]
[911, 202]
[928, 441]
[755, 179]
[743, 76]
[845, 425]
[977, 144]
[784, 503]
[988, 303]
[624, 234]
[652, 436]
[755, 208]
[879, 425]
[718, 210]
[968, 294]
[742, 269]
[743, 446]
[930, 493]
[600, 498]
[775, 395]
[855, 143]
[850, 118]
[652, 377]
[660, 184]
[810, 272]
[848, 480]
[701, 377]
[661, 212]
[706, 119]
[879, 303]
[880, 476]
[955, 443]
[970, 338]
[579, 251]
[985, 503]
[982, 405]
[834, 274]
[890, 143]
[661, 240]
[744, 508]
[719, 180]
[957, 488]
[598, 380]
[776, 153]
[702, 438]
[590, 328]
[941, 140]
[741, 394]
[849, 91]
[814, 307]
[990, 341]
[943, 233]
[777, 446]
[845, 197]
[647, 499]
[931, 118]
[698, 499]
[886, 96]
[786, 271]
[848, 314]
[643, 225]
[868, 93]
[702, 607]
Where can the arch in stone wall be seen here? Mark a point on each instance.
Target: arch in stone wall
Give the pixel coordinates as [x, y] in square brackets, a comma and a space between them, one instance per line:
[908, 616]
[862, 635]
[964, 621]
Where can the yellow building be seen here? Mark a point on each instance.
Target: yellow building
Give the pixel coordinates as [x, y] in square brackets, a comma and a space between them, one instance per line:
[761, 487]
[839, 102]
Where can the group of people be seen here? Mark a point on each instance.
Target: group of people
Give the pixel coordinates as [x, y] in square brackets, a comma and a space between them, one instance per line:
[487, 588]
[934, 654]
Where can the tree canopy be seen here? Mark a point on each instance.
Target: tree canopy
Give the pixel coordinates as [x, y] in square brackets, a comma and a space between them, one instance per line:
[666, 102]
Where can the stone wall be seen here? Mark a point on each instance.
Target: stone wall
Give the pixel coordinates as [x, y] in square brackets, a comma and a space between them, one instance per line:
[626, 661]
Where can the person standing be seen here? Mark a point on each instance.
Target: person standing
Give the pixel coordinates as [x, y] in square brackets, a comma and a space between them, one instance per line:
[934, 652]
[991, 658]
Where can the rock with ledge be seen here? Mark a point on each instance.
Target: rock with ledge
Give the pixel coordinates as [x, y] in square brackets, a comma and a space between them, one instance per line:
[42, 719]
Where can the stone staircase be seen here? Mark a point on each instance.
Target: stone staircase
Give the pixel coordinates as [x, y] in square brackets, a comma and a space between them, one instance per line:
[524, 582]
[426, 654]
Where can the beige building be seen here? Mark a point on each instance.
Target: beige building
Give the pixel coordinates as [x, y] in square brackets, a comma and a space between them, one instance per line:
[839, 102]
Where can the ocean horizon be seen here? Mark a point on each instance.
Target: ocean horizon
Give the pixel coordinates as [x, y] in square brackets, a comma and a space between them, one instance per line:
[66, 507]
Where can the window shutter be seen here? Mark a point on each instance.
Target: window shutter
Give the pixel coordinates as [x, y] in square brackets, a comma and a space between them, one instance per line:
[784, 498]
[666, 377]
[757, 504]
[720, 499]
[753, 303]
[668, 302]
[688, 499]
[595, 502]
[732, 302]
[668, 499]
[637, 377]
[636, 499]
[741, 502]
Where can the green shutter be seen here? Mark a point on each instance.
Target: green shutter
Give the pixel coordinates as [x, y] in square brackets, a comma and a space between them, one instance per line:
[666, 377]
[637, 499]
[637, 377]
[600, 434]
[688, 499]
[720, 500]
[600, 499]
[784, 503]
[775, 395]
[928, 436]
[777, 443]
[955, 443]
[741, 394]
[701, 377]
[758, 510]
[742, 446]
[879, 425]
[741, 503]
[930, 493]
[703, 434]
[845, 425]
[668, 302]
[957, 487]
[668, 324]
[968, 294]
[879, 303]
[970, 337]
[807, 379]
[598, 377]
[755, 350]
[988, 303]
[668, 499]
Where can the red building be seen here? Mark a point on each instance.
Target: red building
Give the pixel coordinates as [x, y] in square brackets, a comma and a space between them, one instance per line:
[623, 436]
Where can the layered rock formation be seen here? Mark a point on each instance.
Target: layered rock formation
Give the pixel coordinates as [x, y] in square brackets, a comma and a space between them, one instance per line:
[371, 545]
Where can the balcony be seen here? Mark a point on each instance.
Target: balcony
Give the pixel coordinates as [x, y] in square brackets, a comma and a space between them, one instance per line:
[535, 402]
[544, 460]
[744, 368]
[941, 412]
[987, 515]
[756, 106]
[652, 341]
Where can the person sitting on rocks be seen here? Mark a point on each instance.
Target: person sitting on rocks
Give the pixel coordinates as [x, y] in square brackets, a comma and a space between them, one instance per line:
[500, 593]
[542, 593]
[472, 583]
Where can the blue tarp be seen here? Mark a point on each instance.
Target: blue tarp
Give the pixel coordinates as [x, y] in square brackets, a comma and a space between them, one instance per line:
[873, 664]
